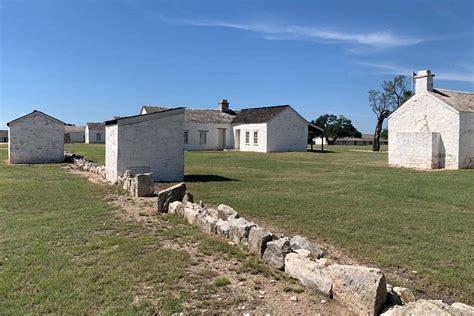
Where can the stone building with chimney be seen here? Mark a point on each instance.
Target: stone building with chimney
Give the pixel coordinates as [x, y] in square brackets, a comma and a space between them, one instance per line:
[433, 129]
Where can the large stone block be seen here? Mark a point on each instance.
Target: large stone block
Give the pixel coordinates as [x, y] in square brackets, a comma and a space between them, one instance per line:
[226, 212]
[276, 252]
[174, 193]
[143, 185]
[239, 230]
[298, 242]
[362, 289]
[312, 274]
[174, 207]
[405, 295]
[258, 239]
[222, 228]
[426, 307]
[207, 223]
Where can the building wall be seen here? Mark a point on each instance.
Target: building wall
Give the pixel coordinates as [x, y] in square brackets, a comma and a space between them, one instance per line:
[3, 139]
[413, 157]
[36, 139]
[91, 136]
[424, 113]
[212, 141]
[76, 137]
[260, 128]
[154, 145]
[466, 140]
[287, 132]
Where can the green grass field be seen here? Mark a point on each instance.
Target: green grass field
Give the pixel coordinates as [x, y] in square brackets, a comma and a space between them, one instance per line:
[63, 250]
[399, 219]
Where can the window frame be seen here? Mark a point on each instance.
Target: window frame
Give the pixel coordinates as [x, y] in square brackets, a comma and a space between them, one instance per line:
[247, 137]
[186, 137]
[98, 137]
[255, 138]
[201, 138]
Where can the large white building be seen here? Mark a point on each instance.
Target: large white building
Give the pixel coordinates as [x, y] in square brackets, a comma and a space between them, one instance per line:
[95, 133]
[265, 129]
[146, 143]
[433, 129]
[36, 138]
[74, 134]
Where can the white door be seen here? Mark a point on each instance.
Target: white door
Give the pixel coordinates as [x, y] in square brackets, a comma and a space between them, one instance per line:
[221, 138]
[237, 139]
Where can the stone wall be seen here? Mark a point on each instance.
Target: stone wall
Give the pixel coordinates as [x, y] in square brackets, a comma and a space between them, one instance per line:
[261, 145]
[418, 150]
[288, 131]
[36, 139]
[425, 113]
[466, 141]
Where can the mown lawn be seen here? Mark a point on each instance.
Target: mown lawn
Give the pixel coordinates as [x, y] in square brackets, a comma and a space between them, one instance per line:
[63, 250]
[396, 218]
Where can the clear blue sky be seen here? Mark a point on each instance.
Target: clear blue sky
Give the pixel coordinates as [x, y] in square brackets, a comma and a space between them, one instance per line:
[90, 60]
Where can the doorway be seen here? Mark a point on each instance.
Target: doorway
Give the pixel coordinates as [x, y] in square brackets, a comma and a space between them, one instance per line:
[237, 139]
[221, 135]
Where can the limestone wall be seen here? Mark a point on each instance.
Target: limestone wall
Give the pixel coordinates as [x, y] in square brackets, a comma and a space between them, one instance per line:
[36, 139]
[91, 136]
[260, 129]
[418, 150]
[424, 113]
[287, 132]
[466, 141]
[212, 141]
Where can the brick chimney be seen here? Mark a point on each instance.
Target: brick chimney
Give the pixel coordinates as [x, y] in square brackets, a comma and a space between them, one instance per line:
[423, 81]
[224, 105]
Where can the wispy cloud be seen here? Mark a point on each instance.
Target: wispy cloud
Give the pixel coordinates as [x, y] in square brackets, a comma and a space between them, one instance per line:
[310, 33]
[386, 68]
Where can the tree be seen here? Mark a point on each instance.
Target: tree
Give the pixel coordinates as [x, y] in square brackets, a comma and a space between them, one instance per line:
[384, 133]
[336, 127]
[394, 94]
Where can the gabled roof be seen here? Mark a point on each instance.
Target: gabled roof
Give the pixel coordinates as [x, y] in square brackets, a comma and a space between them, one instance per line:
[459, 100]
[74, 129]
[96, 126]
[3, 133]
[198, 115]
[258, 115]
[35, 112]
[126, 120]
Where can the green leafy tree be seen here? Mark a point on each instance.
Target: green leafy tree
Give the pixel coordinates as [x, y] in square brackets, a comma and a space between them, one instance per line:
[336, 127]
[394, 93]
[384, 133]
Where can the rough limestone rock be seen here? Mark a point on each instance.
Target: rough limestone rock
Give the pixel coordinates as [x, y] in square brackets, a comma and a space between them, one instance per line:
[191, 212]
[188, 197]
[212, 211]
[207, 223]
[276, 252]
[425, 307]
[312, 274]
[405, 295]
[239, 230]
[363, 289]
[222, 228]
[469, 310]
[298, 242]
[173, 208]
[174, 193]
[392, 297]
[227, 212]
[143, 185]
[258, 239]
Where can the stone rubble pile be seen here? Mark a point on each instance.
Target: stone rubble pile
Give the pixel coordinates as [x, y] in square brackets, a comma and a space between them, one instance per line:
[84, 164]
[362, 289]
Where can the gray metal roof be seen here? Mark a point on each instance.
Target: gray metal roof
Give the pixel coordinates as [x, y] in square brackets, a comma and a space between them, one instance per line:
[459, 100]
[198, 115]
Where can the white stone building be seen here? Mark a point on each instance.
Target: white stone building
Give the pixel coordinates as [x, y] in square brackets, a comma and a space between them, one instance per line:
[433, 129]
[3, 136]
[74, 134]
[36, 138]
[266, 129]
[95, 133]
[146, 143]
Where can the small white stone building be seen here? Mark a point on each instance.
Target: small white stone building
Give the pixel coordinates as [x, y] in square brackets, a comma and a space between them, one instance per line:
[433, 129]
[95, 133]
[265, 129]
[35, 138]
[74, 134]
[146, 143]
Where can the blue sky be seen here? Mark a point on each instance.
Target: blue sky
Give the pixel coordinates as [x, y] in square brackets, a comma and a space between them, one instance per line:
[87, 60]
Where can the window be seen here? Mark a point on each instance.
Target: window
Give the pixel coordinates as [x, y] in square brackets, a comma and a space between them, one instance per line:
[98, 137]
[255, 138]
[186, 136]
[202, 137]
[247, 138]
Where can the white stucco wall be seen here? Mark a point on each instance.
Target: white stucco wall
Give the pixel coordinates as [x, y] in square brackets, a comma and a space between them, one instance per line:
[466, 140]
[155, 145]
[212, 136]
[424, 113]
[91, 136]
[36, 139]
[413, 157]
[287, 131]
[76, 137]
[261, 128]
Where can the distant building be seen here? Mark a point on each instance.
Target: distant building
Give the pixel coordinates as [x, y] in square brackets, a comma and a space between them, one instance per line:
[3, 136]
[265, 129]
[433, 129]
[95, 133]
[74, 134]
[36, 138]
[366, 139]
[146, 143]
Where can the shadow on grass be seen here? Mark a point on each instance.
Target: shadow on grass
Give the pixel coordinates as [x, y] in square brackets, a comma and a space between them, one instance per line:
[321, 152]
[206, 178]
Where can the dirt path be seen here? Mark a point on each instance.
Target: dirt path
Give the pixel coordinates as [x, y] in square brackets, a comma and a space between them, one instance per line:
[247, 292]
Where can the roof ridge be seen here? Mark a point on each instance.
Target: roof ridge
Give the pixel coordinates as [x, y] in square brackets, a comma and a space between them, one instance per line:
[457, 91]
[266, 107]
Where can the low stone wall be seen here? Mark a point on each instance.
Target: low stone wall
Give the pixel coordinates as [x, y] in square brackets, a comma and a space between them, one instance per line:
[362, 289]
[139, 185]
